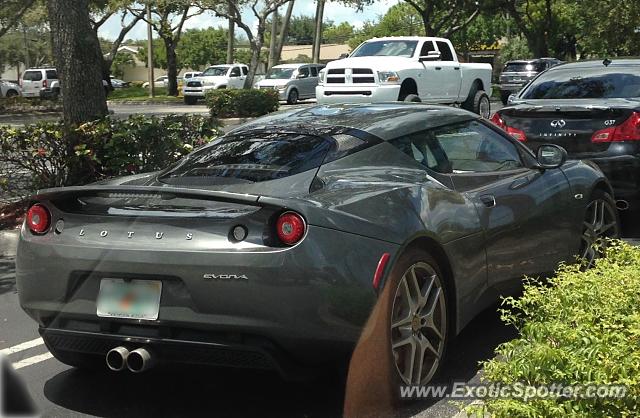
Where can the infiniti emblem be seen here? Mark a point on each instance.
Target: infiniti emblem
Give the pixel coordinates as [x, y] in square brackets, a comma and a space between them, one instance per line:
[560, 123]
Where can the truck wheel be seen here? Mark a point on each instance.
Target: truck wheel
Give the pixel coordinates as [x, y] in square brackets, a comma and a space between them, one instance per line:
[190, 100]
[478, 103]
[413, 98]
[504, 96]
[293, 97]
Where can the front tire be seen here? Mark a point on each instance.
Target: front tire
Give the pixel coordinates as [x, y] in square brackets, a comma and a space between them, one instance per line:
[190, 100]
[419, 321]
[293, 97]
[478, 102]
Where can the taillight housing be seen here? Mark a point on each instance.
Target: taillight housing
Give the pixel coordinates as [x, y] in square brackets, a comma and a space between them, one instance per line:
[44, 84]
[291, 228]
[518, 134]
[629, 130]
[38, 219]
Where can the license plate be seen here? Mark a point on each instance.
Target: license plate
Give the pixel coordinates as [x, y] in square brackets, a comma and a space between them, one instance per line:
[132, 299]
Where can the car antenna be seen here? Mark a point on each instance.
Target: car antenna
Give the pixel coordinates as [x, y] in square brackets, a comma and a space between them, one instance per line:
[607, 62]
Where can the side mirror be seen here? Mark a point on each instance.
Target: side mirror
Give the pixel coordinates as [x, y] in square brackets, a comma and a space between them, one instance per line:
[511, 99]
[300, 76]
[343, 56]
[551, 156]
[431, 56]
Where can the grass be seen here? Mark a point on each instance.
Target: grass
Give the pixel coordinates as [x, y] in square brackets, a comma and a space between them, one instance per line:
[140, 94]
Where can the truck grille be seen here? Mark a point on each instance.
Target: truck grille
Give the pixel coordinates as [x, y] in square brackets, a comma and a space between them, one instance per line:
[350, 76]
[194, 84]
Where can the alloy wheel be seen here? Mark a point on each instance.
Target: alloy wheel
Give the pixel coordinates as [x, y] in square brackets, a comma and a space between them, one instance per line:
[600, 223]
[485, 107]
[418, 324]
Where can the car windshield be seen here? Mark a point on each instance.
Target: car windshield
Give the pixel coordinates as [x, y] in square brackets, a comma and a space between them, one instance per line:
[249, 158]
[215, 71]
[280, 73]
[586, 83]
[386, 48]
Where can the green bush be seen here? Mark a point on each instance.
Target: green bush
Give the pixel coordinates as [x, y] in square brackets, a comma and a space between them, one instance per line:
[48, 155]
[225, 103]
[582, 328]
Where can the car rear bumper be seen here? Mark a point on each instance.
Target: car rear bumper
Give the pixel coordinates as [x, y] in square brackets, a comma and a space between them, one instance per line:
[512, 88]
[298, 307]
[330, 94]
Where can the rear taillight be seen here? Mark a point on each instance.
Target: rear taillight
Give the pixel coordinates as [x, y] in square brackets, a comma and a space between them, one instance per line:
[38, 219]
[44, 84]
[291, 228]
[514, 132]
[629, 130]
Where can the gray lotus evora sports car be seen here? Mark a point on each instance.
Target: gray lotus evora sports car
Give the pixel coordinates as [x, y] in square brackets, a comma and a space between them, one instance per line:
[268, 248]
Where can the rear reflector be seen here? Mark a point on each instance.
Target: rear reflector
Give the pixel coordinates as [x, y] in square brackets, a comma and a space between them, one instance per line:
[38, 219]
[629, 130]
[382, 264]
[291, 228]
[518, 134]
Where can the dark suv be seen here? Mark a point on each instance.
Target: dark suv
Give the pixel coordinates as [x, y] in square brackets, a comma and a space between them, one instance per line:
[516, 74]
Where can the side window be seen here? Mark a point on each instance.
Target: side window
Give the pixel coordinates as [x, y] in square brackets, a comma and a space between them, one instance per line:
[426, 47]
[245, 71]
[303, 72]
[32, 76]
[469, 147]
[314, 71]
[445, 51]
[52, 75]
[235, 72]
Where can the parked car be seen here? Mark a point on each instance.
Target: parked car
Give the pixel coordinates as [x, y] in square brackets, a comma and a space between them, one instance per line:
[224, 76]
[9, 89]
[592, 109]
[162, 81]
[119, 84]
[267, 248]
[406, 68]
[41, 83]
[516, 74]
[292, 81]
[189, 75]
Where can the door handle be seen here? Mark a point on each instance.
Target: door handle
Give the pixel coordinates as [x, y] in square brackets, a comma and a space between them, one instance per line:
[488, 200]
[438, 68]
[456, 68]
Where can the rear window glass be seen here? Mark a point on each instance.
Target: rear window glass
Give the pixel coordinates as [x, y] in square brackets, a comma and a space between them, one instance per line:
[52, 75]
[257, 156]
[523, 67]
[32, 76]
[586, 83]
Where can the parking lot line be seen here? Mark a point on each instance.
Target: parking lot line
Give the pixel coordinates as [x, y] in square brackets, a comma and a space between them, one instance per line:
[21, 347]
[32, 360]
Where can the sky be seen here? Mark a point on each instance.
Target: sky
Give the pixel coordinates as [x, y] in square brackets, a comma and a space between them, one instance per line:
[333, 11]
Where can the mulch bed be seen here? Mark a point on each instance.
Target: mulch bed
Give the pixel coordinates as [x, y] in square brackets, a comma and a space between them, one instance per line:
[12, 215]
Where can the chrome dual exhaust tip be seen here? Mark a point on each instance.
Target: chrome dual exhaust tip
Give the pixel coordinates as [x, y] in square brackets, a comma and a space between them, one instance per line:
[136, 361]
[117, 358]
[622, 205]
[140, 360]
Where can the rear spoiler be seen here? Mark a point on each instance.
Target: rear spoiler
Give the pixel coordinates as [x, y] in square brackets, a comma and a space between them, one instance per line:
[163, 192]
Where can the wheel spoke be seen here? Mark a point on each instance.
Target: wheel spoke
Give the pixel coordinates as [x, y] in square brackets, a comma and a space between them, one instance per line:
[415, 288]
[408, 296]
[403, 342]
[402, 323]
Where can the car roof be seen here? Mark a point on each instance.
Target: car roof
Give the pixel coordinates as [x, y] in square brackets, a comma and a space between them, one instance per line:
[408, 38]
[384, 120]
[294, 65]
[597, 63]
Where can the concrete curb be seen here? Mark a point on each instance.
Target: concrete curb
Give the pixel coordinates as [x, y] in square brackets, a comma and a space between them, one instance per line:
[8, 242]
[143, 102]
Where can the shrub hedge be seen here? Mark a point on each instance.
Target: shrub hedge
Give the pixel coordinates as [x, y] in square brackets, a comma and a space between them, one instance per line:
[225, 103]
[48, 155]
[582, 329]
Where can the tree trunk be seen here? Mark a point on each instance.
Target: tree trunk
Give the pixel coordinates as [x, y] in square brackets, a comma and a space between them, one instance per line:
[256, 47]
[231, 41]
[426, 20]
[317, 35]
[78, 59]
[172, 67]
[272, 40]
[284, 30]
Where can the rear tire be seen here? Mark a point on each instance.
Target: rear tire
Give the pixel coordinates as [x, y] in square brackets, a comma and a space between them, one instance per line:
[55, 94]
[293, 97]
[11, 93]
[601, 222]
[478, 103]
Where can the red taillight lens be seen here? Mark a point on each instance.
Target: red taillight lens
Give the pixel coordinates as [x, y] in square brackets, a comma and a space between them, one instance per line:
[514, 132]
[629, 130]
[44, 84]
[291, 228]
[497, 120]
[38, 219]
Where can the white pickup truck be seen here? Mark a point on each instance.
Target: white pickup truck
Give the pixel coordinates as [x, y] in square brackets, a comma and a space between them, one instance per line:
[406, 69]
[223, 76]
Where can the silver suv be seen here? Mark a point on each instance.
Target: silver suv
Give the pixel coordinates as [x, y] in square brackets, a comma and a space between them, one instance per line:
[517, 74]
[292, 81]
[40, 82]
